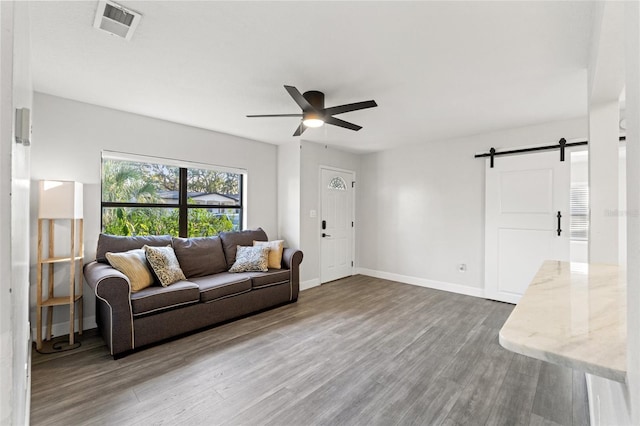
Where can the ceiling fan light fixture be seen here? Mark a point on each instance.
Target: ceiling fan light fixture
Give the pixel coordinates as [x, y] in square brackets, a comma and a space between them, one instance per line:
[313, 122]
[312, 119]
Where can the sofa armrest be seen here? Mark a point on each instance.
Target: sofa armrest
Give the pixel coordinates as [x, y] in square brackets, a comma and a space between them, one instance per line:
[291, 259]
[113, 305]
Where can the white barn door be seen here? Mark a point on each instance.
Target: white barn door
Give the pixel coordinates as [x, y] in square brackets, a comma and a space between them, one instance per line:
[336, 224]
[523, 196]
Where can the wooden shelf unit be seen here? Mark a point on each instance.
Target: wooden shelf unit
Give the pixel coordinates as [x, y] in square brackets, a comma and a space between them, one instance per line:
[73, 260]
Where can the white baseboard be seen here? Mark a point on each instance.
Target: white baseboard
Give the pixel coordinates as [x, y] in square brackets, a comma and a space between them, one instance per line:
[422, 282]
[62, 328]
[306, 285]
[608, 402]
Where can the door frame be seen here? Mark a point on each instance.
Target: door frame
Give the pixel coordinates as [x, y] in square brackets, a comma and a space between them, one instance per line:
[322, 167]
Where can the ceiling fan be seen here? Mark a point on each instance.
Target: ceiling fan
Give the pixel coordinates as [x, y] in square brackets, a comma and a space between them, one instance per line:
[314, 114]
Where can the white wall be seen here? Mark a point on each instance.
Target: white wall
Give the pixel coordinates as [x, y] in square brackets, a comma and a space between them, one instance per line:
[16, 92]
[6, 133]
[604, 132]
[622, 205]
[71, 136]
[632, 56]
[421, 208]
[312, 156]
[610, 402]
[289, 194]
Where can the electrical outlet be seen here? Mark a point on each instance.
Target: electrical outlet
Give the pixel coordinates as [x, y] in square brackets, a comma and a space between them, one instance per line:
[462, 267]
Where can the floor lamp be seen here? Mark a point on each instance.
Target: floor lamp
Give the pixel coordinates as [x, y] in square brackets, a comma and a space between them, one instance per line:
[60, 202]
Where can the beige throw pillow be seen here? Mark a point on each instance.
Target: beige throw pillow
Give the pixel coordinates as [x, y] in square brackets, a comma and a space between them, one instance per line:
[133, 264]
[275, 252]
[165, 264]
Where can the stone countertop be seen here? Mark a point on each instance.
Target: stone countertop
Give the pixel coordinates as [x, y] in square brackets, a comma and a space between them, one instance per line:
[573, 314]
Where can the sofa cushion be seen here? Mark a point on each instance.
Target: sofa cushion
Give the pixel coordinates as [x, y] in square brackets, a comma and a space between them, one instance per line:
[164, 264]
[272, 277]
[231, 241]
[222, 285]
[156, 298]
[118, 244]
[200, 256]
[253, 258]
[275, 252]
[133, 264]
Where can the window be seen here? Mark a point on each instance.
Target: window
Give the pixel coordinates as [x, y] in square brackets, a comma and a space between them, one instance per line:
[579, 208]
[142, 196]
[338, 183]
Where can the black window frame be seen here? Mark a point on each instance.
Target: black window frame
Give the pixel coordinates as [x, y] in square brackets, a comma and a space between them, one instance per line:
[183, 205]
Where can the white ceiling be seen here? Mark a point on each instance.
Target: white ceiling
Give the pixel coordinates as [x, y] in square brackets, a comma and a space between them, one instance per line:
[436, 69]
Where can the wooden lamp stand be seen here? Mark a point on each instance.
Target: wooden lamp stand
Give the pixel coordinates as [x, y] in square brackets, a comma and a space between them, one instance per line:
[60, 202]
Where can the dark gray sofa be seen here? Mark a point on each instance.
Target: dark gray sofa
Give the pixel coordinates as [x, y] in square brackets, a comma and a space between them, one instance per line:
[208, 296]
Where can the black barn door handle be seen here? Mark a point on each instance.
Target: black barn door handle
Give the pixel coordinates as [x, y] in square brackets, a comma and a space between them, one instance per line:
[559, 230]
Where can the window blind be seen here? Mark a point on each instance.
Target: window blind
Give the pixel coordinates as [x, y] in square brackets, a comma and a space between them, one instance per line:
[579, 208]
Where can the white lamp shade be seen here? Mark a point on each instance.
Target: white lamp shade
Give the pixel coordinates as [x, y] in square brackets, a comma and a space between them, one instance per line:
[60, 200]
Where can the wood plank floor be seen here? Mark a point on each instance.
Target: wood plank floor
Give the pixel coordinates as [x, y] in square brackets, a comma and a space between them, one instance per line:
[358, 351]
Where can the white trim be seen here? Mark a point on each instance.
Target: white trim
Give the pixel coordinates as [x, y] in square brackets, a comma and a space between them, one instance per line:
[306, 285]
[594, 409]
[422, 282]
[337, 169]
[165, 308]
[608, 402]
[62, 328]
[180, 289]
[269, 284]
[125, 156]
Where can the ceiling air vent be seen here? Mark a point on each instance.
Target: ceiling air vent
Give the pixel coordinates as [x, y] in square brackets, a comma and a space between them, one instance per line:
[115, 19]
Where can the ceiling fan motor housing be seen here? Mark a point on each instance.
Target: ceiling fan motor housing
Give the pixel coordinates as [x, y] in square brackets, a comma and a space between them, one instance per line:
[315, 98]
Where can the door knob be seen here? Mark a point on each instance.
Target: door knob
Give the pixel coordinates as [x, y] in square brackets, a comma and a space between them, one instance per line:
[325, 235]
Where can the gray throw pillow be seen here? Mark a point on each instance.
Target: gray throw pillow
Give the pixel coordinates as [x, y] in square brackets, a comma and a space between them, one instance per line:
[251, 259]
[164, 264]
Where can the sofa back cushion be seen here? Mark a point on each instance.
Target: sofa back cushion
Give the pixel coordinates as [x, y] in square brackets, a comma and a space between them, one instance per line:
[118, 244]
[199, 257]
[231, 241]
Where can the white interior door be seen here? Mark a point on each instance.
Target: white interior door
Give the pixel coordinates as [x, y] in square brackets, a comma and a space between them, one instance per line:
[336, 224]
[524, 194]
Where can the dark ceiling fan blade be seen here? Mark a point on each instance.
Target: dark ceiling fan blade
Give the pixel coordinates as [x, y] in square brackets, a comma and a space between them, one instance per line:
[350, 107]
[275, 115]
[300, 100]
[301, 128]
[342, 123]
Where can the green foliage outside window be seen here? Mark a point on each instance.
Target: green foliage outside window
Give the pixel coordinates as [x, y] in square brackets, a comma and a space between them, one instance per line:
[203, 223]
[140, 221]
[157, 184]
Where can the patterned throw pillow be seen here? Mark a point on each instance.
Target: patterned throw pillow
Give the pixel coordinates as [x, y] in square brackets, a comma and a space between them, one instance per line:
[164, 263]
[251, 259]
[275, 252]
[133, 264]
